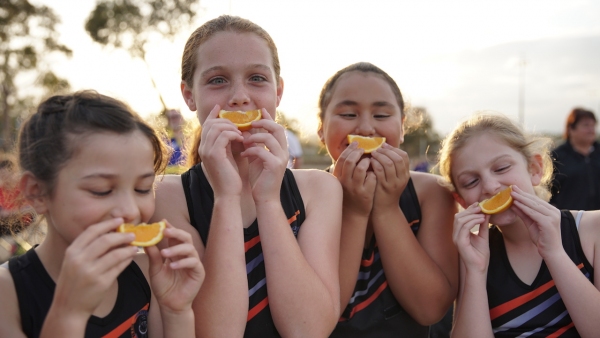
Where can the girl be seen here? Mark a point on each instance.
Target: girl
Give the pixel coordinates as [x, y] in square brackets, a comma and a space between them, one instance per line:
[398, 267]
[89, 165]
[531, 273]
[268, 237]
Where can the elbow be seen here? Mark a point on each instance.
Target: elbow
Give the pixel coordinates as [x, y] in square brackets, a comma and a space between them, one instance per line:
[428, 316]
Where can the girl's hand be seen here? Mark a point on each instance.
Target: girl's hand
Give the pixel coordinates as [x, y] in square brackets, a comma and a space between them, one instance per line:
[267, 155]
[215, 151]
[91, 265]
[474, 249]
[542, 220]
[357, 182]
[176, 272]
[391, 167]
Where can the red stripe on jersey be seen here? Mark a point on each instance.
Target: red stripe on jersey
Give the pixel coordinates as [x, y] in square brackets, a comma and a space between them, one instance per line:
[561, 331]
[413, 222]
[251, 243]
[368, 262]
[257, 308]
[515, 303]
[119, 330]
[293, 218]
[369, 300]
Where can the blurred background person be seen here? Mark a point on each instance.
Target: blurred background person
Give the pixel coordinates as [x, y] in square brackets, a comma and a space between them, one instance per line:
[294, 150]
[175, 139]
[576, 183]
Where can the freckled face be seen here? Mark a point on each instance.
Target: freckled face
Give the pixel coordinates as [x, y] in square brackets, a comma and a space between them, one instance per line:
[235, 71]
[486, 165]
[111, 175]
[361, 104]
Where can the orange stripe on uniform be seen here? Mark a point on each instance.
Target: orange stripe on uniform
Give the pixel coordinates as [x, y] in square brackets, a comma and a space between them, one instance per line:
[369, 300]
[368, 262]
[293, 218]
[251, 243]
[257, 308]
[413, 222]
[513, 304]
[561, 331]
[119, 330]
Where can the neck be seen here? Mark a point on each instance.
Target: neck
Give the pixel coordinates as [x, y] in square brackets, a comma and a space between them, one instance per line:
[583, 148]
[52, 252]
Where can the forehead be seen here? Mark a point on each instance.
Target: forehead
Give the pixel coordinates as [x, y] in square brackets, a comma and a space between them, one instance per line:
[362, 87]
[481, 150]
[230, 49]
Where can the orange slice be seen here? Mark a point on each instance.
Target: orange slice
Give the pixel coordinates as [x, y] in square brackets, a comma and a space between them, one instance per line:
[369, 144]
[242, 119]
[497, 203]
[145, 234]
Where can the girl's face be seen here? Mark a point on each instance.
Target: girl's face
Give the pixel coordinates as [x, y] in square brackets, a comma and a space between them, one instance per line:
[361, 104]
[109, 176]
[486, 165]
[235, 71]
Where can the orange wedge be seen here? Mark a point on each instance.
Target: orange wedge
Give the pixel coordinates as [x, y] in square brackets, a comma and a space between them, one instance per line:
[369, 144]
[497, 203]
[145, 234]
[242, 119]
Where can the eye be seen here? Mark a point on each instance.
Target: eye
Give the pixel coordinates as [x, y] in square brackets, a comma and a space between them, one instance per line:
[503, 169]
[216, 80]
[258, 78]
[381, 116]
[143, 191]
[470, 183]
[347, 114]
[100, 193]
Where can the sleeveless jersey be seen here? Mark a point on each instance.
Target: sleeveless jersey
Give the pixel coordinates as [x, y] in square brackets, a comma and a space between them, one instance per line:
[35, 290]
[536, 310]
[373, 310]
[200, 201]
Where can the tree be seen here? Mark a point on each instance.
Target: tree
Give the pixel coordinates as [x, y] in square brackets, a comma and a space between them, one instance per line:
[27, 35]
[420, 138]
[131, 24]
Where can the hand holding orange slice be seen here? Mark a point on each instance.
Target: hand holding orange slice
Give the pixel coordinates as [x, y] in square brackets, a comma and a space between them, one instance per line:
[145, 234]
[242, 119]
[368, 144]
[497, 203]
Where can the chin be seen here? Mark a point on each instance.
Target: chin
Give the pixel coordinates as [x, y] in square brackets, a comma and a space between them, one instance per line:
[504, 218]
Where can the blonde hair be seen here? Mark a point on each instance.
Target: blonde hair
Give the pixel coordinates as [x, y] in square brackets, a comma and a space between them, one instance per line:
[508, 132]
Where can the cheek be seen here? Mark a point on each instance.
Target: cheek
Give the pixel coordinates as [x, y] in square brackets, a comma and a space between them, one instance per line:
[147, 207]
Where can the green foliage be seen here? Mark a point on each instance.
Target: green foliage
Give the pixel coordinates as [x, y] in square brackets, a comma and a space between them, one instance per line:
[131, 24]
[421, 141]
[27, 36]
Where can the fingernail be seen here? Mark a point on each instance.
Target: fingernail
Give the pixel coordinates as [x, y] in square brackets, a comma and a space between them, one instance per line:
[166, 252]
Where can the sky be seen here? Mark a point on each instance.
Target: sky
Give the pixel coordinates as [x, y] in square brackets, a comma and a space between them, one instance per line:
[451, 57]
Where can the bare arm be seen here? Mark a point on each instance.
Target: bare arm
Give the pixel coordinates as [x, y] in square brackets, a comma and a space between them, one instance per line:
[581, 297]
[471, 315]
[221, 306]
[303, 279]
[431, 286]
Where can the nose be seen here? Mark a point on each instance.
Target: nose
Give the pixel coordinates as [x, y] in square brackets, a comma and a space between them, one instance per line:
[365, 126]
[490, 187]
[127, 208]
[239, 96]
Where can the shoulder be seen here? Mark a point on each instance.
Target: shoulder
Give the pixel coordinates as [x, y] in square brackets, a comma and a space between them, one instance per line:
[320, 191]
[10, 318]
[314, 181]
[429, 189]
[170, 200]
[589, 233]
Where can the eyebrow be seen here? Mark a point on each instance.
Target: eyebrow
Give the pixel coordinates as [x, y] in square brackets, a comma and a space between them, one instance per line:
[354, 103]
[110, 176]
[220, 68]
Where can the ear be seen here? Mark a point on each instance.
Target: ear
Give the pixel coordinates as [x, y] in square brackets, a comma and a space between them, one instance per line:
[536, 169]
[459, 199]
[279, 90]
[34, 192]
[188, 96]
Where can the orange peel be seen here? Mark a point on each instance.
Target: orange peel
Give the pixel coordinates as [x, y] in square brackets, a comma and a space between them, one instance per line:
[368, 144]
[145, 234]
[242, 119]
[497, 203]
